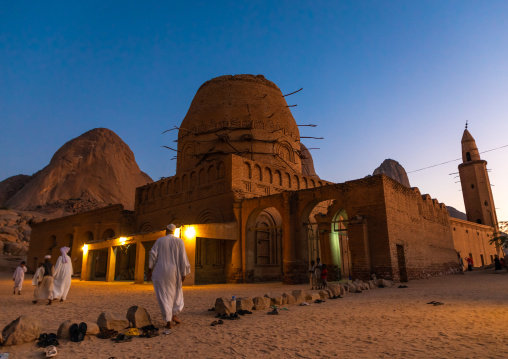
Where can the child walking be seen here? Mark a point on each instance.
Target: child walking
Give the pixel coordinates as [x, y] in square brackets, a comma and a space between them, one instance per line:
[18, 276]
[324, 276]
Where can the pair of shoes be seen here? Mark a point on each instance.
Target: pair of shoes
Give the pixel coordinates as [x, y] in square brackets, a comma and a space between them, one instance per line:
[149, 331]
[50, 351]
[217, 322]
[46, 340]
[244, 311]
[435, 303]
[403, 286]
[121, 338]
[274, 312]
[77, 333]
[233, 316]
[319, 301]
[107, 333]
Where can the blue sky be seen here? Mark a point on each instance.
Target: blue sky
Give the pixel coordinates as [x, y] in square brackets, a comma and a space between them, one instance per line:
[381, 79]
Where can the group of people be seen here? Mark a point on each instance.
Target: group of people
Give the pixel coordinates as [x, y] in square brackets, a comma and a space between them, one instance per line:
[168, 267]
[51, 282]
[499, 263]
[318, 275]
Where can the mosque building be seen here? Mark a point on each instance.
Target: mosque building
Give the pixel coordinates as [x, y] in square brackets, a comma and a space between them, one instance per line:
[250, 207]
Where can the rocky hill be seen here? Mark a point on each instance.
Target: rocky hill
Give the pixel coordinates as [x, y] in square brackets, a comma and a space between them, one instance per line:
[90, 171]
[394, 170]
[455, 213]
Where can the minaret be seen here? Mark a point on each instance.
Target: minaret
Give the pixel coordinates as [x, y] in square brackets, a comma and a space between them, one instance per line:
[475, 183]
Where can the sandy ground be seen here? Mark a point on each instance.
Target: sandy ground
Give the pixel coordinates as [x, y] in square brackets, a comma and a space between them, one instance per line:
[380, 323]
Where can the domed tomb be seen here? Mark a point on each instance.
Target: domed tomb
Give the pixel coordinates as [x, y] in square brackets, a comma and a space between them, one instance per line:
[245, 115]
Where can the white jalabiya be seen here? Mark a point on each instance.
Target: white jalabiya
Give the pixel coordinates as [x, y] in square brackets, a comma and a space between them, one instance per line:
[62, 277]
[39, 273]
[18, 276]
[169, 262]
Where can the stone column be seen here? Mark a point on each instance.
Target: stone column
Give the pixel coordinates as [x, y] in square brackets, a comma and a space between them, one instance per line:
[84, 265]
[110, 273]
[139, 270]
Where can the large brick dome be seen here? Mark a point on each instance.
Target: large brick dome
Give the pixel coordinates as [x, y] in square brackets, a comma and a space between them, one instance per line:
[246, 115]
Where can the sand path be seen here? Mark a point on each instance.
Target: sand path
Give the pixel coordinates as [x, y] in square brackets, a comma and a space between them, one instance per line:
[380, 323]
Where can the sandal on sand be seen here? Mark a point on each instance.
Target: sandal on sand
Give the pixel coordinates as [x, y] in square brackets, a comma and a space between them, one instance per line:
[432, 302]
[82, 331]
[50, 351]
[121, 338]
[438, 303]
[107, 333]
[274, 312]
[74, 333]
[319, 301]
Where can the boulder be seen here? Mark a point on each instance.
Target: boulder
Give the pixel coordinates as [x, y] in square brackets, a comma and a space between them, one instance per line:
[92, 328]
[4, 237]
[138, 317]
[25, 329]
[352, 287]
[261, 303]
[299, 295]
[225, 306]
[384, 282]
[311, 297]
[334, 289]
[372, 284]
[344, 289]
[275, 299]
[244, 304]
[324, 294]
[9, 230]
[16, 249]
[109, 320]
[289, 299]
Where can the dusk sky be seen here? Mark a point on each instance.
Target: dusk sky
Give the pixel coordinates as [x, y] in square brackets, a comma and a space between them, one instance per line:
[381, 79]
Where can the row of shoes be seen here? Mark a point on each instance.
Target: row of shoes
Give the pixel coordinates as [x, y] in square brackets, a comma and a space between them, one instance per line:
[231, 316]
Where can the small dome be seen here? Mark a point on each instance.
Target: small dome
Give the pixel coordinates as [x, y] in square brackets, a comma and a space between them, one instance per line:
[245, 115]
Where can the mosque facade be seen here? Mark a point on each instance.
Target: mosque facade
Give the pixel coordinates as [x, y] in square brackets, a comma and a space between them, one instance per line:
[250, 207]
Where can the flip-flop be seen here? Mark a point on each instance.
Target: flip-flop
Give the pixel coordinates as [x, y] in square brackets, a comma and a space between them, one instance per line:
[51, 351]
[82, 331]
[438, 303]
[433, 302]
[74, 332]
[274, 312]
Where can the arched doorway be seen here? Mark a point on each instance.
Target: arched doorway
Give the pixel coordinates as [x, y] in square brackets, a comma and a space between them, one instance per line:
[263, 238]
[108, 234]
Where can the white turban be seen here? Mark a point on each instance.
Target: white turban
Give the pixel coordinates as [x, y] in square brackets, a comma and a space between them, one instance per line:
[171, 227]
[47, 257]
[64, 251]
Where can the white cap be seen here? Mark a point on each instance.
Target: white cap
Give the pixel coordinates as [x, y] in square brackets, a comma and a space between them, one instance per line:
[171, 227]
[47, 257]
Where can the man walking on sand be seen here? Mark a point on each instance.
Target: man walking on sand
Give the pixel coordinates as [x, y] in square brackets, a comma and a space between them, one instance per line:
[63, 275]
[170, 265]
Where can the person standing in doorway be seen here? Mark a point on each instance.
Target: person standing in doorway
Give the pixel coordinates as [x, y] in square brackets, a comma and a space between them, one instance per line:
[317, 273]
[312, 275]
[469, 261]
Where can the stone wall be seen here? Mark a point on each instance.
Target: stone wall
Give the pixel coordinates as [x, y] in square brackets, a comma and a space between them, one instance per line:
[473, 239]
[421, 226]
[76, 230]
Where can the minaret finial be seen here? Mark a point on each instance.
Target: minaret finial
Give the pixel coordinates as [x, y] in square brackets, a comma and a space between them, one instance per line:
[466, 124]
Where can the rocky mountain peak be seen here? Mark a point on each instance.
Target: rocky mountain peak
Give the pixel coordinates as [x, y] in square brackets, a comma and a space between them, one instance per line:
[394, 170]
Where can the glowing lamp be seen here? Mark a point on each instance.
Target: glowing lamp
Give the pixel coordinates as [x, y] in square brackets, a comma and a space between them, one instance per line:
[122, 240]
[190, 232]
[85, 249]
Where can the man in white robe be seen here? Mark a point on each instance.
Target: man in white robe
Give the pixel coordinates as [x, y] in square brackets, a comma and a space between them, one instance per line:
[45, 290]
[63, 275]
[37, 279]
[170, 265]
[18, 277]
